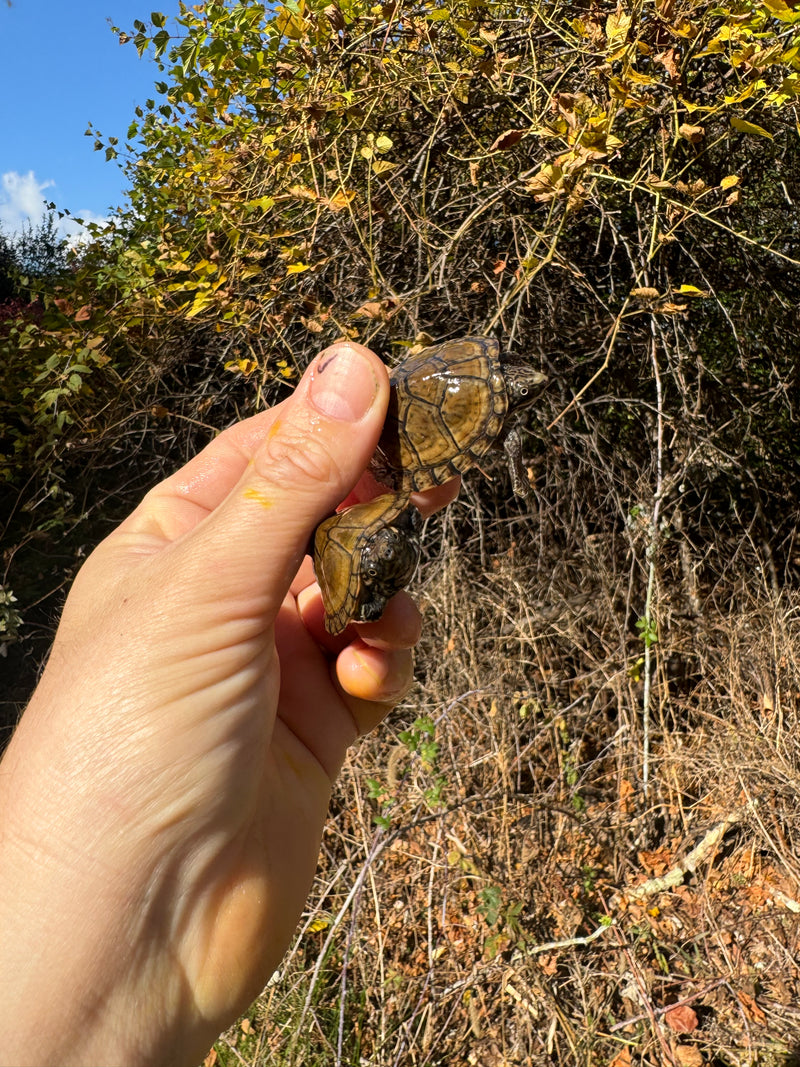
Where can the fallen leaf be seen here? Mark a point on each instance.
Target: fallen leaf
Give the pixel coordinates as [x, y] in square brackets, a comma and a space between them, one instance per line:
[507, 139]
[752, 1009]
[84, 313]
[656, 861]
[693, 134]
[729, 181]
[689, 1056]
[681, 1019]
[622, 1059]
[372, 309]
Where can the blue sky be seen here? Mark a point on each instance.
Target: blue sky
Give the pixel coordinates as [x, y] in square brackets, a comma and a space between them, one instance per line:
[61, 67]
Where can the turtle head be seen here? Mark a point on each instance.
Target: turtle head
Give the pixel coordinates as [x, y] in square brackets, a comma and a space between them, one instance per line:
[524, 384]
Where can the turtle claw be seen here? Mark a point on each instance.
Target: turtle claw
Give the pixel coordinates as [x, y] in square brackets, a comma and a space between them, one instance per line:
[512, 444]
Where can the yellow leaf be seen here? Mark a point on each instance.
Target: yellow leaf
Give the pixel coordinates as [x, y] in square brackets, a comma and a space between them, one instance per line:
[383, 143]
[743, 126]
[712, 48]
[617, 25]
[781, 10]
[691, 290]
[302, 192]
[729, 181]
[244, 366]
[382, 166]
[263, 203]
[439, 15]
[297, 268]
[742, 94]
[202, 300]
[291, 25]
[340, 200]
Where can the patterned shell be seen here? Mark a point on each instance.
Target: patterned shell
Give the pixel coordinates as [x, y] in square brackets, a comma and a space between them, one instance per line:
[363, 556]
[448, 406]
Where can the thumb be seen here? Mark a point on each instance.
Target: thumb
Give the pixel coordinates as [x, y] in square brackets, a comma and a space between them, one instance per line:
[313, 453]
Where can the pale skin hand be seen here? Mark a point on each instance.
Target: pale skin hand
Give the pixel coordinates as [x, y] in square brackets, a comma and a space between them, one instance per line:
[162, 801]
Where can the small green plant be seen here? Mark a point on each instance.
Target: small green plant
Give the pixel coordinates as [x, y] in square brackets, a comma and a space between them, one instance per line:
[504, 918]
[381, 795]
[420, 739]
[647, 630]
[10, 619]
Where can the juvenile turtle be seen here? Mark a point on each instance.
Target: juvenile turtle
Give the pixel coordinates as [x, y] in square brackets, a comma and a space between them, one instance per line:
[449, 405]
[363, 556]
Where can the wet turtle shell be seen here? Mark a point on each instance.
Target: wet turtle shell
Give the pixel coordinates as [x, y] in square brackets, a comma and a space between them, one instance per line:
[363, 556]
[448, 406]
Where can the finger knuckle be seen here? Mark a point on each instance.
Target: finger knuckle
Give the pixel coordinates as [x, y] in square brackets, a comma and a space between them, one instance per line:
[291, 459]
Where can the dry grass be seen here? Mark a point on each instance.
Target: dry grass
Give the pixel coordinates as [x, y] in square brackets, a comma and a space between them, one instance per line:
[452, 933]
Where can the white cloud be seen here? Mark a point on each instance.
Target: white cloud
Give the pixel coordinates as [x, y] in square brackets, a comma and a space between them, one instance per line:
[22, 201]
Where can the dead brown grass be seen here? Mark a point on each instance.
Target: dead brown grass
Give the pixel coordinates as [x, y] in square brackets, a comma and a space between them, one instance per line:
[470, 926]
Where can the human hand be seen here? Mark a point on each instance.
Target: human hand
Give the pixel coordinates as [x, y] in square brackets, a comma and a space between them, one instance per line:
[162, 801]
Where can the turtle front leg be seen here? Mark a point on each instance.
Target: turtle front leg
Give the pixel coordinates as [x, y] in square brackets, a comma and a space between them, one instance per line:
[512, 443]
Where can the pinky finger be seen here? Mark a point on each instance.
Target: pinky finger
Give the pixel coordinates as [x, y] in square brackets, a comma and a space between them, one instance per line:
[373, 680]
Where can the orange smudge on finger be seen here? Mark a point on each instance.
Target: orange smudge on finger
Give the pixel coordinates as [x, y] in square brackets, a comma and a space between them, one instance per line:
[273, 429]
[260, 498]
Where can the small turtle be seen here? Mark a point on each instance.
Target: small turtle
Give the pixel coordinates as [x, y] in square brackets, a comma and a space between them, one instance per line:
[363, 556]
[448, 406]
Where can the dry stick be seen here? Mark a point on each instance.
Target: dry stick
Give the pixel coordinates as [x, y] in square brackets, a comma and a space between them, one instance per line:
[650, 1011]
[651, 573]
[641, 187]
[676, 875]
[612, 337]
[551, 946]
[668, 1007]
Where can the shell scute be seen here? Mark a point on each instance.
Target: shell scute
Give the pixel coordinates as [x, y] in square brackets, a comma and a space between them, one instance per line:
[449, 405]
[363, 556]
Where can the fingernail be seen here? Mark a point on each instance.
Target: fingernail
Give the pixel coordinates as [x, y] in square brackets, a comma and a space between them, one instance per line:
[343, 384]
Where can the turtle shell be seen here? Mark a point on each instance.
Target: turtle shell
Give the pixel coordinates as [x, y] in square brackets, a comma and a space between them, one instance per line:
[448, 406]
[363, 556]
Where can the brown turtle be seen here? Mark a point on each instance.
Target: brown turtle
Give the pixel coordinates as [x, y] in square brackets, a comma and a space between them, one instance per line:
[363, 556]
[449, 405]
